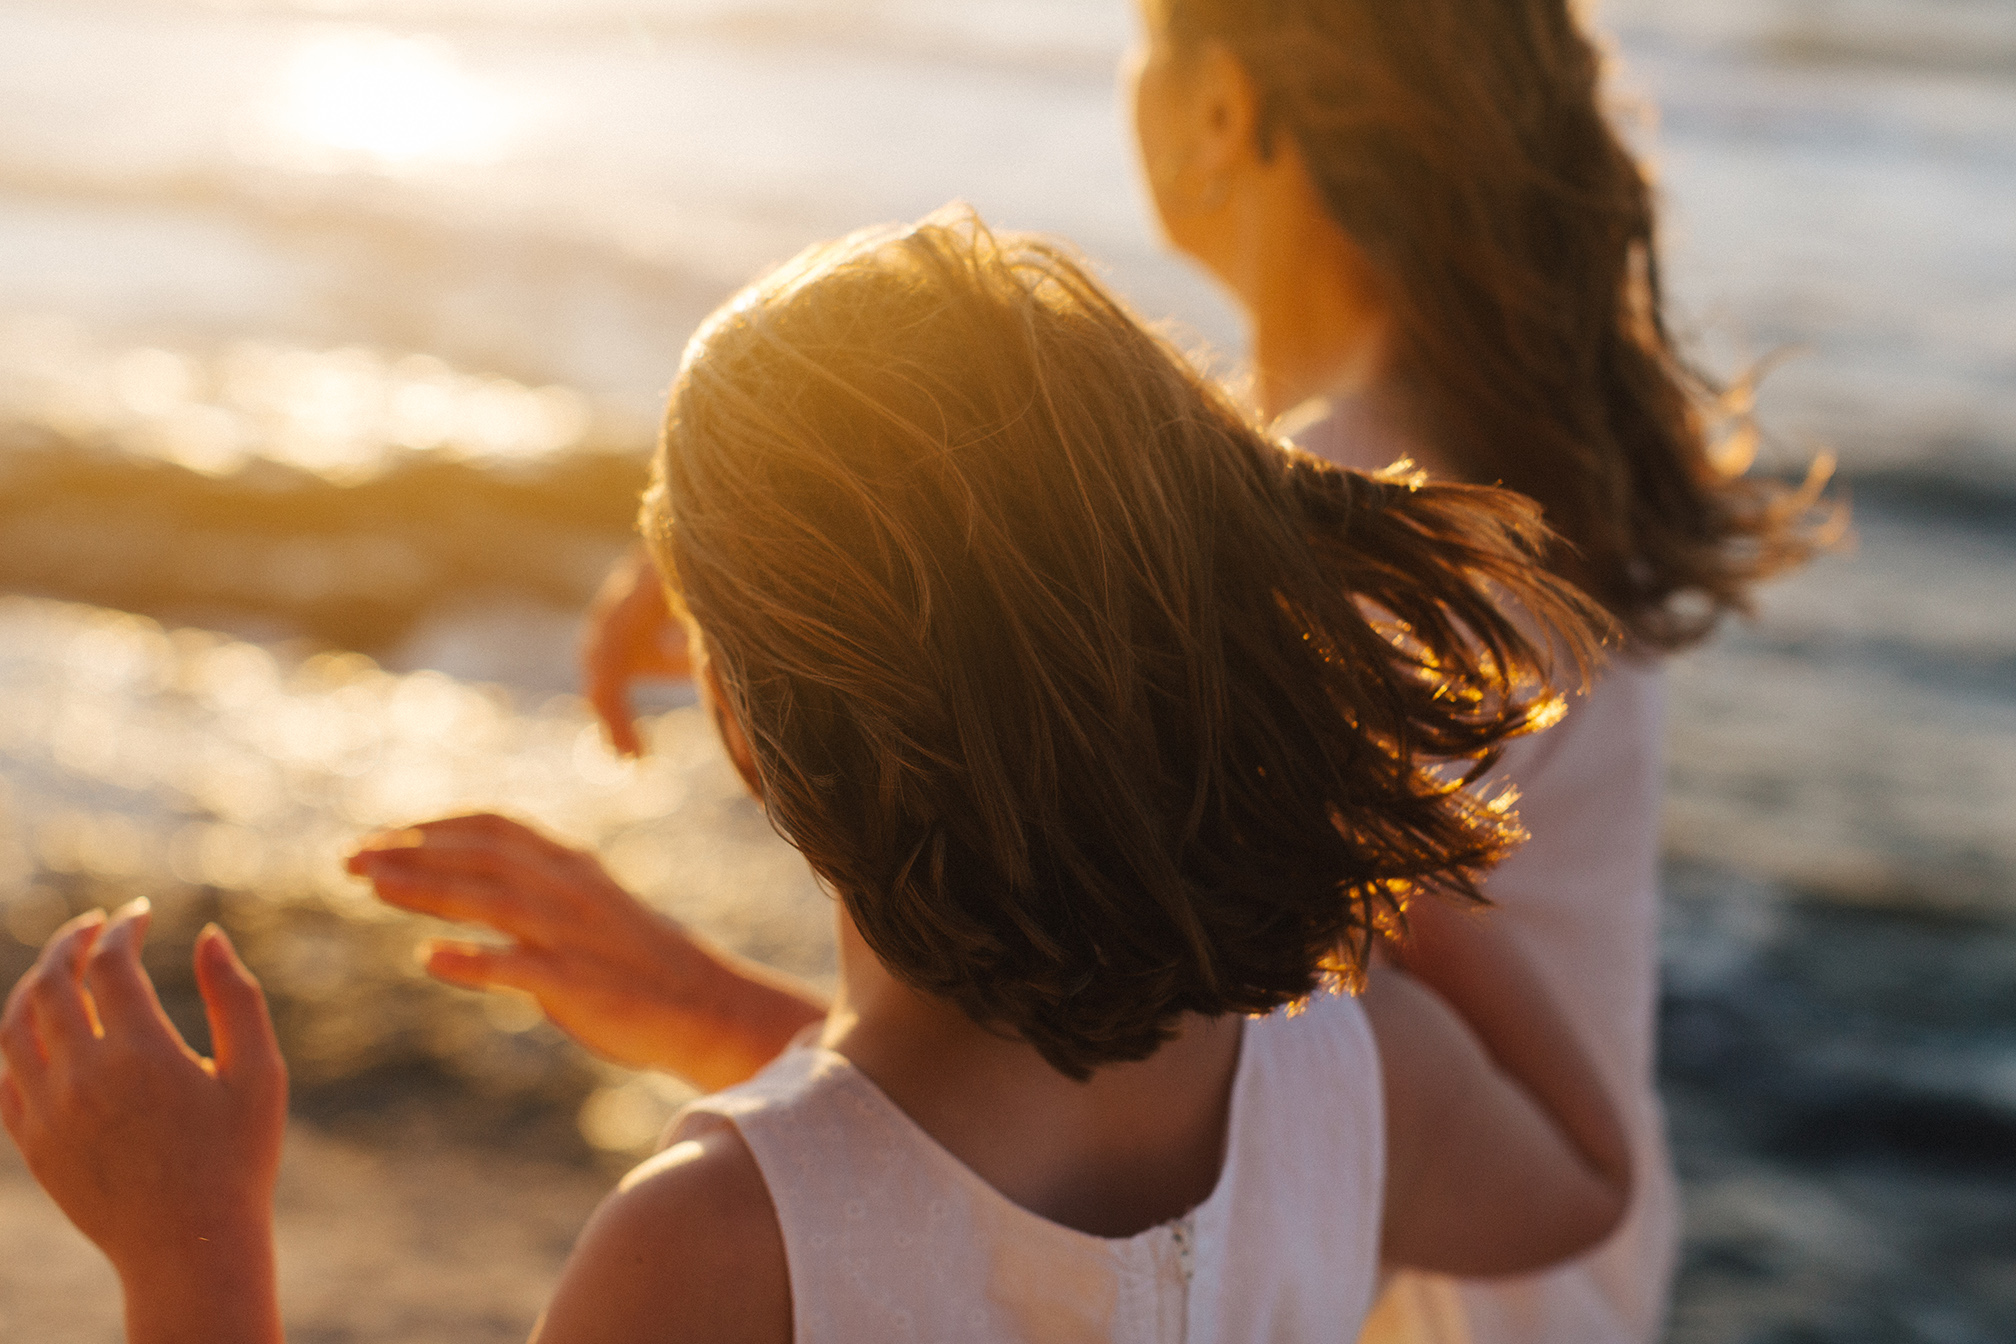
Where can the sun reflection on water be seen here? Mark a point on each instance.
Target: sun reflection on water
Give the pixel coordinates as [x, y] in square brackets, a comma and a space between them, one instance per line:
[396, 100]
[129, 752]
[345, 415]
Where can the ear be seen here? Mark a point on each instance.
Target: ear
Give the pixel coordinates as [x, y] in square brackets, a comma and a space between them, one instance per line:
[1224, 127]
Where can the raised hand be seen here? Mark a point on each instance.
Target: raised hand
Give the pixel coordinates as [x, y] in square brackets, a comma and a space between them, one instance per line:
[631, 634]
[628, 983]
[165, 1159]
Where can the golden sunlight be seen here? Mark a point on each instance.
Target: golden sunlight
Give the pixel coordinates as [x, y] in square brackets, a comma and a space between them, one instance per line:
[394, 99]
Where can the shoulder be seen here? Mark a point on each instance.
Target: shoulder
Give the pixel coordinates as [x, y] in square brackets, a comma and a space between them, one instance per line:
[687, 1247]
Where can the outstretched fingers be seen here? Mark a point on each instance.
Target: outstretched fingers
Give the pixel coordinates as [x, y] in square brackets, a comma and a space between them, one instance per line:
[486, 830]
[477, 966]
[146, 1147]
[487, 843]
[53, 992]
[446, 886]
[481, 870]
[241, 1030]
[128, 1009]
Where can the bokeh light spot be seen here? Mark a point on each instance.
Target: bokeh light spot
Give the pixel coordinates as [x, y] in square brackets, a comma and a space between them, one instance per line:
[397, 100]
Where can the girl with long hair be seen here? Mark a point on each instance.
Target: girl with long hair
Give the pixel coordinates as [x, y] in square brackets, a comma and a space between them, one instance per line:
[1445, 252]
[1120, 733]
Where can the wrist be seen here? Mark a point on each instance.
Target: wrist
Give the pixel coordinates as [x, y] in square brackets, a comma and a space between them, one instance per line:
[748, 1013]
[212, 1283]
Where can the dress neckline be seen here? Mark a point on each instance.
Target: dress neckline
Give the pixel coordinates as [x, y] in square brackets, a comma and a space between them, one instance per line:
[845, 1070]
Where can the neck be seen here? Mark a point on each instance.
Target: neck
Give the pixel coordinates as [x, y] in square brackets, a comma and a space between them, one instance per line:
[1134, 1145]
[1319, 327]
[1315, 331]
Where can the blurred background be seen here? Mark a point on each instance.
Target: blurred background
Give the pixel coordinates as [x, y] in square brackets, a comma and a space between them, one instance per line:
[332, 338]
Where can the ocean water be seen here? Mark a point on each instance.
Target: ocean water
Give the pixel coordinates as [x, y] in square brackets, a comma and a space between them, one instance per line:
[306, 307]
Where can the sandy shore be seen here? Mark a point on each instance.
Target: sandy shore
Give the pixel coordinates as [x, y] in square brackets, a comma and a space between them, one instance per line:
[420, 1240]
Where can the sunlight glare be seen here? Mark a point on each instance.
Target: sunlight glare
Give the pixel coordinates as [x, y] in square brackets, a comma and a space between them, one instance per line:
[397, 100]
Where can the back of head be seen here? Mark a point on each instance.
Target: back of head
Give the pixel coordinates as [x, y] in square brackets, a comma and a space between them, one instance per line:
[1056, 670]
[1465, 147]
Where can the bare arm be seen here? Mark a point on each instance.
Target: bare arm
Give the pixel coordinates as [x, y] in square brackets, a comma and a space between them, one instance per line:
[627, 982]
[687, 1248]
[1504, 1150]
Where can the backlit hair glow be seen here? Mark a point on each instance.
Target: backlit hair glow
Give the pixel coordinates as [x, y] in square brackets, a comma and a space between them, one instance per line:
[1065, 678]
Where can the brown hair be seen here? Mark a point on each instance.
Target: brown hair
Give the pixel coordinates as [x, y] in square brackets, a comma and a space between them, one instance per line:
[1057, 670]
[1463, 146]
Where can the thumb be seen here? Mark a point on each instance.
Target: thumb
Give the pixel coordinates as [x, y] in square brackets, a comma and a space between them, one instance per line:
[241, 1031]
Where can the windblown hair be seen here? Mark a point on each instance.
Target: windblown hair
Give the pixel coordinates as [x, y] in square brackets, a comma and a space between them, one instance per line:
[1057, 670]
[1463, 146]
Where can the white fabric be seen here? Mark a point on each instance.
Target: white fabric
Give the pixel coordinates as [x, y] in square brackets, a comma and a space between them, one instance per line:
[890, 1238]
[1582, 897]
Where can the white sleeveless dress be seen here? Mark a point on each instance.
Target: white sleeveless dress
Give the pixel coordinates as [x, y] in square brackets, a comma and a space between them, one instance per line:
[1582, 898]
[888, 1237]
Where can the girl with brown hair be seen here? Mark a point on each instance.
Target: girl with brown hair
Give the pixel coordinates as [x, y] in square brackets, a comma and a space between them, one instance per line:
[1120, 732]
[1446, 253]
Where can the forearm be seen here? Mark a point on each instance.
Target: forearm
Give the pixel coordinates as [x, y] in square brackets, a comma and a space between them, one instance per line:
[219, 1289]
[1475, 966]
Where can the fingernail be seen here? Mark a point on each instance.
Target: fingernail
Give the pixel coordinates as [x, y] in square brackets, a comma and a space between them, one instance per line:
[214, 942]
[401, 837]
[66, 934]
[139, 905]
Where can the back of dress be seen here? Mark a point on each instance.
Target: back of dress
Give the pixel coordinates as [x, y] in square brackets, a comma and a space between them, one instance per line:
[889, 1237]
[1582, 897]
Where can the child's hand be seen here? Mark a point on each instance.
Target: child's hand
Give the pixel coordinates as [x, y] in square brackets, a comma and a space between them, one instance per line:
[631, 634]
[163, 1158]
[623, 980]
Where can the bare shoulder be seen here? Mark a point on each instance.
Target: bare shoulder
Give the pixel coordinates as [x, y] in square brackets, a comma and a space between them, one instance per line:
[687, 1247]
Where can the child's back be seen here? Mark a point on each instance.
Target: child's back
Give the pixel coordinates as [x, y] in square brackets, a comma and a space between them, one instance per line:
[1059, 674]
[889, 1235]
